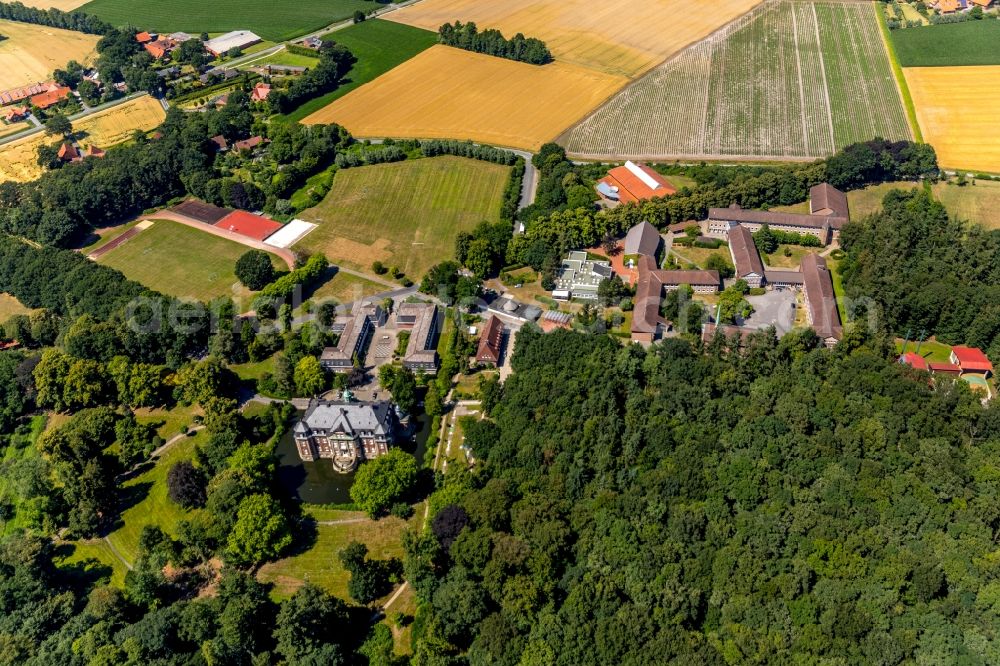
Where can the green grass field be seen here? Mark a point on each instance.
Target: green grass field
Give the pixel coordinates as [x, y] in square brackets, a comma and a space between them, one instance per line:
[181, 261]
[10, 306]
[284, 58]
[379, 46]
[320, 564]
[271, 20]
[95, 558]
[969, 43]
[933, 351]
[153, 506]
[404, 214]
[790, 79]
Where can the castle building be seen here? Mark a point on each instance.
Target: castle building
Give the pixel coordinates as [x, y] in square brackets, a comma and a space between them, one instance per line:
[347, 433]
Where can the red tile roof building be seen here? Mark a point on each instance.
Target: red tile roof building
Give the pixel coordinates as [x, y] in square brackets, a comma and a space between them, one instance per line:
[24, 92]
[647, 323]
[249, 144]
[944, 368]
[68, 152]
[50, 97]
[16, 113]
[634, 182]
[490, 341]
[143, 37]
[247, 224]
[971, 360]
[94, 151]
[821, 301]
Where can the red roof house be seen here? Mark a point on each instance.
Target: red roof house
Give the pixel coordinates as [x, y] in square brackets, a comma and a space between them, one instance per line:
[490, 342]
[16, 113]
[914, 360]
[143, 37]
[160, 48]
[247, 224]
[633, 182]
[94, 151]
[68, 152]
[50, 97]
[260, 92]
[249, 144]
[971, 359]
[220, 142]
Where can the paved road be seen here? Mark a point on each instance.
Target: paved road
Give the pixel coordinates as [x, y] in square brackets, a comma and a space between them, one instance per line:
[38, 127]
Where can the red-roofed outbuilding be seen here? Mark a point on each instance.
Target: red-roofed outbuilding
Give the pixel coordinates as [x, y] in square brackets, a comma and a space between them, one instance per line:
[633, 182]
[247, 224]
[971, 359]
[944, 368]
[914, 360]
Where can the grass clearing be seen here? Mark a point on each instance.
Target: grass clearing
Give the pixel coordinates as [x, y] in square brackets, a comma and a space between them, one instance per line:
[169, 422]
[959, 110]
[116, 124]
[345, 288]
[31, 52]
[932, 350]
[272, 21]
[948, 45]
[404, 214]
[449, 93]
[320, 564]
[283, 58]
[92, 558]
[181, 261]
[10, 306]
[379, 46]
[794, 258]
[616, 37]
[789, 80]
[151, 505]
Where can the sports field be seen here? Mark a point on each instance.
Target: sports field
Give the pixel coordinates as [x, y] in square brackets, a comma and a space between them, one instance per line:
[181, 261]
[450, 93]
[31, 52]
[790, 79]
[274, 21]
[18, 159]
[404, 214]
[953, 44]
[617, 37]
[959, 111]
[115, 125]
[378, 46]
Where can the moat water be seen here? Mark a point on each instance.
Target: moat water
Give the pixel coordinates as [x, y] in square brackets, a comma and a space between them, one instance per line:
[318, 483]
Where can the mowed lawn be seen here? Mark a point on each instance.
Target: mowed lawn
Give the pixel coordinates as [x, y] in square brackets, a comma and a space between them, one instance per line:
[275, 21]
[404, 214]
[958, 109]
[320, 564]
[10, 306]
[969, 43]
[378, 46]
[147, 500]
[181, 261]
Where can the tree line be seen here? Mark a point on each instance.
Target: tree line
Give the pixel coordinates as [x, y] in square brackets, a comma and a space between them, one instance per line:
[492, 42]
[335, 62]
[55, 18]
[783, 504]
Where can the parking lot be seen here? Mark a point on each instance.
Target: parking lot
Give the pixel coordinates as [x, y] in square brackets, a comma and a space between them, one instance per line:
[775, 308]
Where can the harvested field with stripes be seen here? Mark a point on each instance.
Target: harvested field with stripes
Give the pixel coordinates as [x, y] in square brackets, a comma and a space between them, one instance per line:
[789, 80]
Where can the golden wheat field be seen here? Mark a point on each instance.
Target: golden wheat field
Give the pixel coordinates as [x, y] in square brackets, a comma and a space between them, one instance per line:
[62, 5]
[115, 125]
[31, 52]
[958, 109]
[18, 159]
[619, 37]
[450, 93]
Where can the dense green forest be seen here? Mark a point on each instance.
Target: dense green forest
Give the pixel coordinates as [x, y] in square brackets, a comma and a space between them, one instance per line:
[784, 505]
[492, 42]
[926, 273]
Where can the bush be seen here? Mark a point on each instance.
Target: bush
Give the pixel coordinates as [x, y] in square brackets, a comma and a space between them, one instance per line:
[379, 268]
[401, 510]
[757, 291]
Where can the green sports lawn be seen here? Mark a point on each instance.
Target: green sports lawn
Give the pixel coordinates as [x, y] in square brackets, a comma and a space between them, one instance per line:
[404, 214]
[180, 261]
[275, 21]
[969, 43]
[379, 46]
